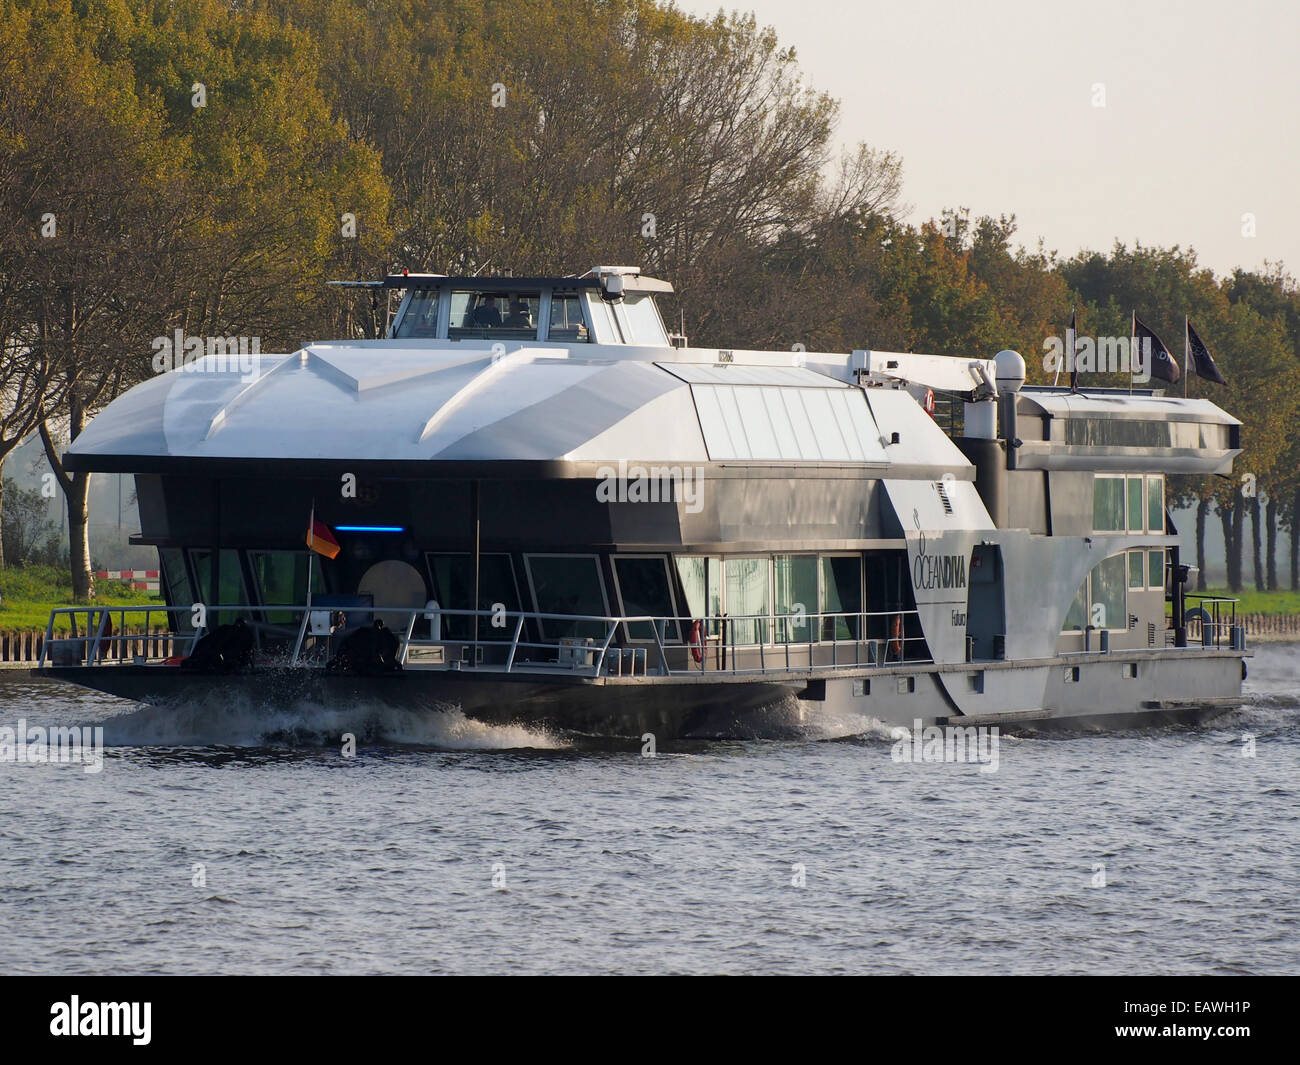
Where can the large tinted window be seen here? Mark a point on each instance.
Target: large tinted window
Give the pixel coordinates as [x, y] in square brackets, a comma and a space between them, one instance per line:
[1156, 504]
[179, 591]
[702, 585]
[1109, 579]
[229, 587]
[568, 584]
[1136, 504]
[452, 576]
[1108, 504]
[644, 588]
[795, 577]
[841, 594]
[281, 578]
[747, 595]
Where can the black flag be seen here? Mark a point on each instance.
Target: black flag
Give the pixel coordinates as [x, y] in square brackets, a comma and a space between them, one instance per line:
[1162, 363]
[1202, 363]
[1072, 344]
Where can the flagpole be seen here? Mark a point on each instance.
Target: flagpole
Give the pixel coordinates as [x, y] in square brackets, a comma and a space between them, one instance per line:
[1187, 354]
[1132, 341]
[311, 558]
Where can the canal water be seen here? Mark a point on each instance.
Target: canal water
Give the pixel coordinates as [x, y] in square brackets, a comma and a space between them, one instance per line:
[216, 839]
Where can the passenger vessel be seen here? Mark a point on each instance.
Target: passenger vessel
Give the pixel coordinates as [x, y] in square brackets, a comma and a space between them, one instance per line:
[560, 514]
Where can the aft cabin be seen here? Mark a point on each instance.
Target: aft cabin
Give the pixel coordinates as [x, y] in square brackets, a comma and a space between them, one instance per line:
[1094, 464]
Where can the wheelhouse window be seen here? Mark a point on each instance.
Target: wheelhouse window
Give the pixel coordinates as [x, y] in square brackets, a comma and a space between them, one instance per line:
[566, 322]
[644, 590]
[604, 324]
[1102, 599]
[568, 584]
[641, 321]
[281, 580]
[493, 315]
[452, 578]
[420, 318]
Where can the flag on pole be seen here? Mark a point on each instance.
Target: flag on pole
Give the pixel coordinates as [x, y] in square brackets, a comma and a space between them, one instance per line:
[1162, 365]
[320, 538]
[1200, 359]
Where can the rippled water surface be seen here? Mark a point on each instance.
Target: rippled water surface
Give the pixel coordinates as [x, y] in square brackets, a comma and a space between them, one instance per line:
[615, 863]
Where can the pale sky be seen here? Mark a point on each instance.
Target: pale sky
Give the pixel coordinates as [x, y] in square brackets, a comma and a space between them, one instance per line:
[991, 107]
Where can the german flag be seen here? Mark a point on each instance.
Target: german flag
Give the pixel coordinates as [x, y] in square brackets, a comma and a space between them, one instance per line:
[320, 538]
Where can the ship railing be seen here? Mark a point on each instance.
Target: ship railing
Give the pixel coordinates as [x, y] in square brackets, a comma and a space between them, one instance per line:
[727, 643]
[93, 639]
[1217, 620]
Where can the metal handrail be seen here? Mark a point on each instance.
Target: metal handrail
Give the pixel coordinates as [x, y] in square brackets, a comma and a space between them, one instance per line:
[767, 626]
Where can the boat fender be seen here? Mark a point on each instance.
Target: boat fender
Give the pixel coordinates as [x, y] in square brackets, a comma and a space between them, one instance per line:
[1198, 613]
[697, 640]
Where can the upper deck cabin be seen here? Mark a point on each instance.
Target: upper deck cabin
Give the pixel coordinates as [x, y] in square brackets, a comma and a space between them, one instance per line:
[606, 305]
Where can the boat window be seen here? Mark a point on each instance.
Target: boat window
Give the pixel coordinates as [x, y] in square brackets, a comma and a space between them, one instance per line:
[702, 585]
[1136, 505]
[452, 577]
[1109, 608]
[281, 578]
[796, 597]
[420, 319]
[1108, 503]
[229, 588]
[1156, 504]
[1156, 569]
[748, 599]
[1137, 570]
[568, 584]
[841, 594]
[642, 324]
[179, 591]
[566, 319]
[644, 590]
[480, 315]
[603, 323]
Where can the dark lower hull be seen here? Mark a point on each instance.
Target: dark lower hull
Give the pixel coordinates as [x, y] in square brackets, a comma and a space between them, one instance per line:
[1097, 692]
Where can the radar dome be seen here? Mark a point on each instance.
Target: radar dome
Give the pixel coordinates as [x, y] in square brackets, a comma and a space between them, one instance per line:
[1009, 369]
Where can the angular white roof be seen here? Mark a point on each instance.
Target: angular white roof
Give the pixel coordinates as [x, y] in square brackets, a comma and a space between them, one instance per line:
[387, 401]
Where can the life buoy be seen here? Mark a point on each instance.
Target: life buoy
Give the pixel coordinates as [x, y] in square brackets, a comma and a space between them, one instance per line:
[697, 640]
[896, 636]
[929, 402]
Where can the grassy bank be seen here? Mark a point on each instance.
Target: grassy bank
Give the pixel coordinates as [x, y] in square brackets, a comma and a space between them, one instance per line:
[1253, 602]
[31, 592]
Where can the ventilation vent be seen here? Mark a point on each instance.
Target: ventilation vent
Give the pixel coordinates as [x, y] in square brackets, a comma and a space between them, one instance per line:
[1151, 633]
[942, 488]
[1132, 622]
